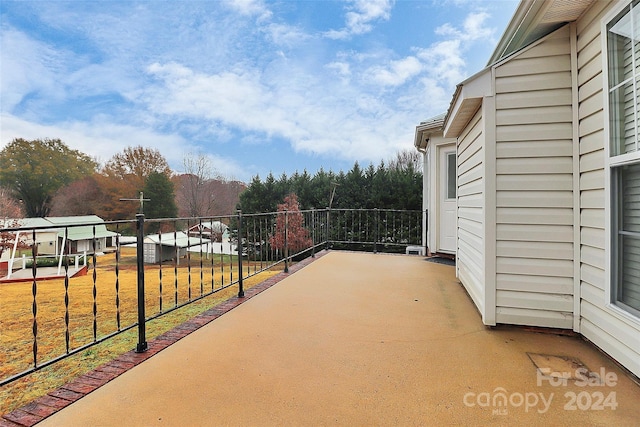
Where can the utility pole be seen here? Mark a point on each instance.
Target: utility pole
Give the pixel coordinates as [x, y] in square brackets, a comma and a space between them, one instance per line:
[141, 199]
[333, 193]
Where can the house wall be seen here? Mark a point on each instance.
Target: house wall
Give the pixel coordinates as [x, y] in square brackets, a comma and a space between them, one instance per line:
[534, 185]
[87, 245]
[471, 237]
[46, 241]
[616, 332]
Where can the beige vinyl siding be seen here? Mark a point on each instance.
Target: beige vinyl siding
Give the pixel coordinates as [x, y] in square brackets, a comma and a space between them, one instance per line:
[534, 186]
[470, 258]
[616, 333]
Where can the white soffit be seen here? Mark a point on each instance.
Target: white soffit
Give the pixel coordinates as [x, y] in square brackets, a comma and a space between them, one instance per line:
[534, 19]
[466, 101]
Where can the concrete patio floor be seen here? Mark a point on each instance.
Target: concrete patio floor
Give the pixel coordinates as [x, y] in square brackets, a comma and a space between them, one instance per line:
[357, 339]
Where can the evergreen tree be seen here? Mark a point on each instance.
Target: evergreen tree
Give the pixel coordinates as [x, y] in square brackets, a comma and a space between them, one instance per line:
[160, 192]
[396, 186]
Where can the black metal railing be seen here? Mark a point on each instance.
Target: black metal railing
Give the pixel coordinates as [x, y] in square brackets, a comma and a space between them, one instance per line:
[169, 263]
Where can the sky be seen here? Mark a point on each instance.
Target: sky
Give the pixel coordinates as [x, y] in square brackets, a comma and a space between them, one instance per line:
[256, 86]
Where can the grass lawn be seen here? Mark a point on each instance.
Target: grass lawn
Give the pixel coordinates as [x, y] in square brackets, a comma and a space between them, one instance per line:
[168, 286]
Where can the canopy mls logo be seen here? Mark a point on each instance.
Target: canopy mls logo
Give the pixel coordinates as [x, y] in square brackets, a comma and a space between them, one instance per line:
[592, 396]
[499, 400]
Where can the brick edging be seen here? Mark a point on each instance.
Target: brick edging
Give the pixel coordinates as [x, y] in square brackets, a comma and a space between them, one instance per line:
[42, 407]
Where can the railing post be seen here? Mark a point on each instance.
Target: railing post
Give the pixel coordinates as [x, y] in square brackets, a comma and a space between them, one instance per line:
[328, 227]
[425, 232]
[239, 247]
[313, 233]
[142, 338]
[375, 233]
[286, 243]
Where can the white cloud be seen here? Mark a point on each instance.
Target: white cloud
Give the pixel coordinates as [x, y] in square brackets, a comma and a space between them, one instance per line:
[101, 138]
[473, 28]
[286, 35]
[444, 62]
[312, 117]
[250, 8]
[398, 72]
[341, 68]
[360, 17]
[236, 98]
[27, 67]
[235, 76]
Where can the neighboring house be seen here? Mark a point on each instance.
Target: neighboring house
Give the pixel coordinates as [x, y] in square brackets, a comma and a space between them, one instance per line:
[76, 234]
[11, 242]
[215, 231]
[82, 234]
[548, 174]
[169, 246]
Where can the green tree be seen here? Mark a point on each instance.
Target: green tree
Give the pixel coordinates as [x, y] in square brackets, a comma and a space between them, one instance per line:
[396, 186]
[160, 192]
[35, 170]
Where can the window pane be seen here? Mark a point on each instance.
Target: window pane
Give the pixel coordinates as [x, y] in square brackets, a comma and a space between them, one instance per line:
[627, 249]
[451, 176]
[637, 107]
[622, 120]
[636, 36]
[630, 188]
[620, 49]
[629, 291]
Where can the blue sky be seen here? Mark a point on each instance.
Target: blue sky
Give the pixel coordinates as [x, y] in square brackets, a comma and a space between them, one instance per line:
[256, 86]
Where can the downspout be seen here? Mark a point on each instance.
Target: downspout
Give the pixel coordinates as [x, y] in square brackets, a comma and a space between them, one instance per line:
[425, 199]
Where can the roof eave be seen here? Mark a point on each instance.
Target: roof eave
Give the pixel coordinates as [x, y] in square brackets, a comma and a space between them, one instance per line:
[534, 19]
[466, 101]
[425, 129]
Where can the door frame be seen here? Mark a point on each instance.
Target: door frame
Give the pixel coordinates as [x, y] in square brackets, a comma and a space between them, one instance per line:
[438, 180]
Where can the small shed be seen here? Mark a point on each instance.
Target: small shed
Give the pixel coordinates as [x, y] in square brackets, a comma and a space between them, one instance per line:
[169, 246]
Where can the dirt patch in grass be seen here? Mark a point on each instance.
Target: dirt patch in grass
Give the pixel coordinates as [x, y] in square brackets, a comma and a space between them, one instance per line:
[114, 301]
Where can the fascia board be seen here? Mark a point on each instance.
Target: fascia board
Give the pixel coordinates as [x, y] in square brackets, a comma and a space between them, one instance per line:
[469, 92]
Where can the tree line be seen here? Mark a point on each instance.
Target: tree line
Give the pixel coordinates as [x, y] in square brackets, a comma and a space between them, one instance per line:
[396, 184]
[44, 177]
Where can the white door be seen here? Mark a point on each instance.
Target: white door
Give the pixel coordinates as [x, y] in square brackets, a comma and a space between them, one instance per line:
[447, 201]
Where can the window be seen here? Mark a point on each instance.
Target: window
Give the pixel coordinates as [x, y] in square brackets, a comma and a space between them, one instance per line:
[451, 176]
[623, 68]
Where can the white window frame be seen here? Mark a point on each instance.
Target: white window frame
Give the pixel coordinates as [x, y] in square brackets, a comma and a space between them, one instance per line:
[620, 308]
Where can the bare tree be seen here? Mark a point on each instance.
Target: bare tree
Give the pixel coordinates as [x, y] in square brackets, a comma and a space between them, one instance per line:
[10, 214]
[193, 189]
[9, 206]
[81, 197]
[406, 160]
